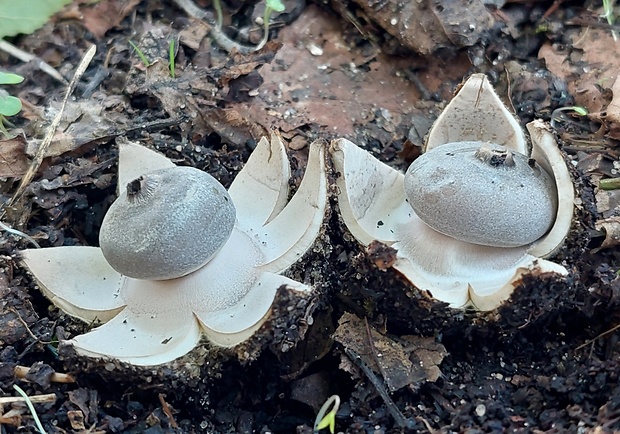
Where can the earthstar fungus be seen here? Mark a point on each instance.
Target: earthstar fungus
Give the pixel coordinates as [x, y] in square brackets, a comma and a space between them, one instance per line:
[472, 215]
[182, 259]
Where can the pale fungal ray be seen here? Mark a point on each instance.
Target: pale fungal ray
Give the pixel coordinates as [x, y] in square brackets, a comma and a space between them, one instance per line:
[125, 338]
[292, 232]
[546, 152]
[260, 190]
[135, 160]
[477, 114]
[78, 280]
[231, 326]
[372, 197]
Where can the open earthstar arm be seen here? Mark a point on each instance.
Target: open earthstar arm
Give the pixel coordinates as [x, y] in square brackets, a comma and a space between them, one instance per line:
[231, 326]
[477, 114]
[260, 190]
[78, 280]
[286, 238]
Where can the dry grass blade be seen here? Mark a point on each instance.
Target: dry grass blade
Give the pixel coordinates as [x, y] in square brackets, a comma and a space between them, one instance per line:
[38, 159]
[27, 57]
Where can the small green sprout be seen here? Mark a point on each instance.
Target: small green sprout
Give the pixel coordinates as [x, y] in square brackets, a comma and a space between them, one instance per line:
[146, 62]
[171, 57]
[327, 419]
[558, 114]
[274, 5]
[609, 184]
[37, 421]
[608, 9]
[9, 105]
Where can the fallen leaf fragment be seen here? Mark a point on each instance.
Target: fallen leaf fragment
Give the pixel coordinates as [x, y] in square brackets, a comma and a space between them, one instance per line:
[408, 361]
[426, 27]
[611, 227]
[13, 160]
[106, 15]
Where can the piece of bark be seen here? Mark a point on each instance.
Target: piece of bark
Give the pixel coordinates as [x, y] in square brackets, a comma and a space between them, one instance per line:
[428, 25]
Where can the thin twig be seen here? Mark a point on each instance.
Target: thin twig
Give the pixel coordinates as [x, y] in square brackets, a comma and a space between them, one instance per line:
[399, 418]
[56, 377]
[26, 326]
[27, 57]
[48, 398]
[40, 155]
[585, 344]
[166, 408]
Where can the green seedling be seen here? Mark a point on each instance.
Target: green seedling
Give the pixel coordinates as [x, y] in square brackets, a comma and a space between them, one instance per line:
[558, 114]
[35, 416]
[9, 105]
[140, 54]
[146, 62]
[609, 184]
[326, 418]
[171, 58]
[608, 13]
[228, 44]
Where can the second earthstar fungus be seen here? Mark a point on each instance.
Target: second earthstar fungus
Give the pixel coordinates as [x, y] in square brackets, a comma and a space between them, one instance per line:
[475, 213]
[182, 259]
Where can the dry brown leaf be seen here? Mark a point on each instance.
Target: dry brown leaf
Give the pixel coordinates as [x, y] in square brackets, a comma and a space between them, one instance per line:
[410, 361]
[106, 15]
[588, 65]
[611, 227]
[343, 91]
[425, 27]
[13, 160]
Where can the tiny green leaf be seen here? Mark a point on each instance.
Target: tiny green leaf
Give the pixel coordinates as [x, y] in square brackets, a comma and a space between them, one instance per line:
[26, 16]
[140, 54]
[9, 105]
[328, 421]
[581, 111]
[276, 5]
[171, 57]
[8, 78]
[325, 418]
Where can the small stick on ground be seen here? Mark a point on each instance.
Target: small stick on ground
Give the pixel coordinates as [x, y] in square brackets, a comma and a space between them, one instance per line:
[40, 155]
[399, 418]
[166, 408]
[48, 398]
[56, 377]
[585, 344]
[27, 57]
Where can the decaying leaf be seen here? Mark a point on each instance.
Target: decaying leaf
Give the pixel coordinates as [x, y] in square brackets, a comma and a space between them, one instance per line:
[13, 160]
[427, 26]
[83, 122]
[408, 361]
[611, 227]
[103, 16]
